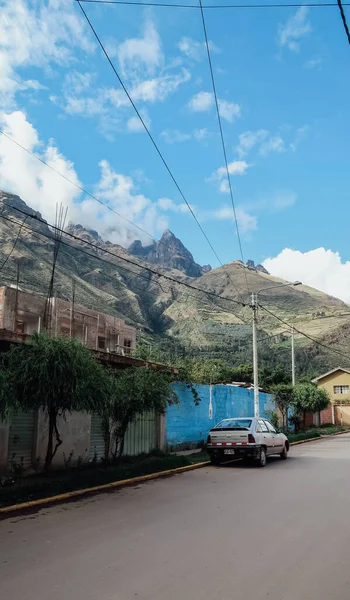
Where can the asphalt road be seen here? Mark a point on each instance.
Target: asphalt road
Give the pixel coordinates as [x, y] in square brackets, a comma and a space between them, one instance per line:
[242, 533]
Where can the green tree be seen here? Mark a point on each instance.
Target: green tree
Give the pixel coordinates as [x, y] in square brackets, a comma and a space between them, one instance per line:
[242, 373]
[283, 395]
[56, 375]
[271, 376]
[307, 397]
[133, 392]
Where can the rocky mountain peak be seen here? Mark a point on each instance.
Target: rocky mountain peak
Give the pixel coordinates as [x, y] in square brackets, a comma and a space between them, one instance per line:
[169, 252]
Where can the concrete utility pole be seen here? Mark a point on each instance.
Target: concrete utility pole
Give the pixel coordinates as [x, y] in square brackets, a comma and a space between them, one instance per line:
[254, 307]
[293, 359]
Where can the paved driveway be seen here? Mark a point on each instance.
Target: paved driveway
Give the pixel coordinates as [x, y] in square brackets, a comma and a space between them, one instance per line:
[230, 533]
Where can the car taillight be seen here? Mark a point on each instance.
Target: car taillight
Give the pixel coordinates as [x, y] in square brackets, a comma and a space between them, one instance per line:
[208, 439]
[251, 439]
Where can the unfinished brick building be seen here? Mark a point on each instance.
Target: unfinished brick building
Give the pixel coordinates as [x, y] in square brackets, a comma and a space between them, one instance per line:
[23, 313]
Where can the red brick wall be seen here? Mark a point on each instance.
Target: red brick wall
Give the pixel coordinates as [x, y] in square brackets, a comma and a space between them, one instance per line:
[326, 415]
[309, 419]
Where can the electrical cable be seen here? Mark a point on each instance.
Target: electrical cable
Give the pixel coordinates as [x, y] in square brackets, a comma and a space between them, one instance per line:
[314, 340]
[217, 6]
[79, 187]
[129, 261]
[14, 244]
[343, 18]
[155, 145]
[222, 139]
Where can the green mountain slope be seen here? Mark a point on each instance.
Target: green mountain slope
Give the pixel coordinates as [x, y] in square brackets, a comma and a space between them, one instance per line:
[187, 320]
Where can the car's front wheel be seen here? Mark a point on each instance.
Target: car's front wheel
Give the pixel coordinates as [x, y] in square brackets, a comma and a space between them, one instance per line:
[262, 460]
[284, 453]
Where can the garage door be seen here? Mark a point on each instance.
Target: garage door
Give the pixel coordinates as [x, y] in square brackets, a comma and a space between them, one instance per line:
[97, 444]
[21, 436]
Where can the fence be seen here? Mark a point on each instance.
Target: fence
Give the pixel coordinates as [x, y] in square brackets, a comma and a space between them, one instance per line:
[23, 441]
[187, 425]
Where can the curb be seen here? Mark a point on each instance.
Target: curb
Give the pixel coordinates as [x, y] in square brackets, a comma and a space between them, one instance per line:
[100, 488]
[125, 482]
[321, 437]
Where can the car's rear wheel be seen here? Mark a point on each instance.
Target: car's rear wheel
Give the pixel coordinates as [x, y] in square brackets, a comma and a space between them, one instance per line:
[215, 460]
[284, 454]
[262, 460]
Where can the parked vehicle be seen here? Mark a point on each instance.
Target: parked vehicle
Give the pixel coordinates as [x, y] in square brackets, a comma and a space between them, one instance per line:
[249, 438]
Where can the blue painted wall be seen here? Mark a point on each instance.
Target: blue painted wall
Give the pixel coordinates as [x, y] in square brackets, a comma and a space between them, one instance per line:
[188, 424]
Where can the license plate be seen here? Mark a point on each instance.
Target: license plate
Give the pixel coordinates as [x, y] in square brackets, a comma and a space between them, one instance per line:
[229, 451]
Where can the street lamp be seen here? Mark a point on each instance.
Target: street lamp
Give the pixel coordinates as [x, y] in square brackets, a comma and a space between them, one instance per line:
[254, 307]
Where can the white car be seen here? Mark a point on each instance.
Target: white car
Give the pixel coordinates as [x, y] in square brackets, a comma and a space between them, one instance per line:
[248, 438]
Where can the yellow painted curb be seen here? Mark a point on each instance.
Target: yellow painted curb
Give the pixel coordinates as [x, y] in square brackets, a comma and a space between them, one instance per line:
[318, 438]
[100, 488]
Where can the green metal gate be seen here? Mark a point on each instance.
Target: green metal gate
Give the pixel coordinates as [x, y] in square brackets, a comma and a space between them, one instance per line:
[141, 435]
[21, 434]
[97, 444]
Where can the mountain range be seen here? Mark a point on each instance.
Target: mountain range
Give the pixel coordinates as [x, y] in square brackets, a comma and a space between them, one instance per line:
[137, 285]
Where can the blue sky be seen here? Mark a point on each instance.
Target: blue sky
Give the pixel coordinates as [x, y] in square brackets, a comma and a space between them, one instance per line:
[282, 80]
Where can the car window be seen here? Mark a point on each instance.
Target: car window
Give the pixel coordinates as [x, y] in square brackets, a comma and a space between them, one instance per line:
[263, 426]
[270, 427]
[234, 424]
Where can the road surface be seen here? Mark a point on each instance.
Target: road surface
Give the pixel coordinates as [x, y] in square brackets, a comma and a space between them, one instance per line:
[229, 533]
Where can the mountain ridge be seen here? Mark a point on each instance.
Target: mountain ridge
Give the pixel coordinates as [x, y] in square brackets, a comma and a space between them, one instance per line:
[202, 325]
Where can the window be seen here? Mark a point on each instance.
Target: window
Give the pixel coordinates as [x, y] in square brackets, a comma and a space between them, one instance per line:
[270, 427]
[234, 424]
[101, 342]
[263, 426]
[127, 345]
[341, 389]
[19, 327]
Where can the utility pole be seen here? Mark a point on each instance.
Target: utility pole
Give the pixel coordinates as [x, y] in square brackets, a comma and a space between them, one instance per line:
[254, 306]
[293, 359]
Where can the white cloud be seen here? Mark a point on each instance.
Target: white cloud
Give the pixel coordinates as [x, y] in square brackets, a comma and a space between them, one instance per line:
[134, 125]
[282, 200]
[201, 134]
[296, 27]
[22, 174]
[320, 268]
[313, 63]
[204, 101]
[174, 136]
[236, 167]
[246, 222]
[264, 140]
[42, 188]
[36, 35]
[300, 135]
[169, 205]
[274, 143]
[137, 55]
[229, 110]
[194, 50]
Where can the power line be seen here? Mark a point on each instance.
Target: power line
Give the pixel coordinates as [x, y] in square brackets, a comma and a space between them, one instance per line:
[217, 6]
[127, 260]
[155, 145]
[222, 138]
[343, 17]
[13, 245]
[315, 341]
[79, 187]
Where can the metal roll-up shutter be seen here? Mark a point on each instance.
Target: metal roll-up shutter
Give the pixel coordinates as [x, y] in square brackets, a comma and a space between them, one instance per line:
[141, 435]
[21, 436]
[97, 444]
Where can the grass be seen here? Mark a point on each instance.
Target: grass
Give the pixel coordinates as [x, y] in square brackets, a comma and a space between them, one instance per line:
[315, 432]
[58, 482]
